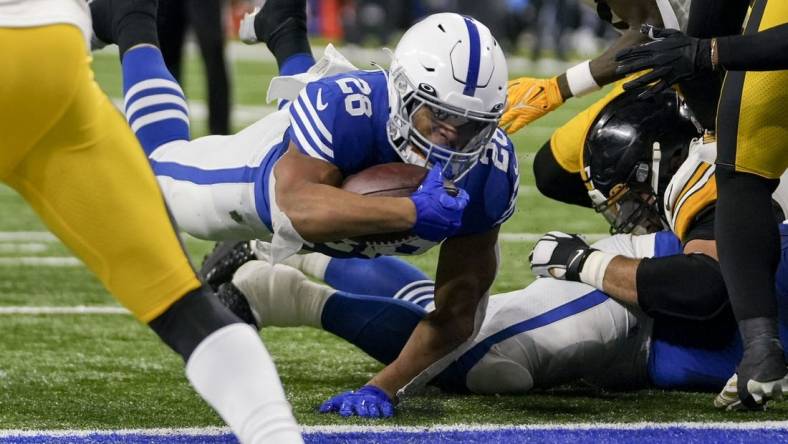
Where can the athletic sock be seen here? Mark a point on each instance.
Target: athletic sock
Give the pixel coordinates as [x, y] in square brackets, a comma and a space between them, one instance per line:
[155, 105]
[127, 23]
[378, 326]
[281, 24]
[281, 296]
[233, 372]
[296, 64]
[748, 242]
[384, 276]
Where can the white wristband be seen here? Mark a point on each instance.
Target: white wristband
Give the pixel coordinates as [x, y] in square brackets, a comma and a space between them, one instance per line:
[580, 80]
[593, 272]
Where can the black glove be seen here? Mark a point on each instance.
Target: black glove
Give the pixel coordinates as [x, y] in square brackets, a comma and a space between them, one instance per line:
[673, 56]
[559, 255]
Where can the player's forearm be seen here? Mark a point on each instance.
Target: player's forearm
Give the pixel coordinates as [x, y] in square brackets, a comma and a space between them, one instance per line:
[322, 213]
[764, 51]
[603, 67]
[620, 281]
[429, 342]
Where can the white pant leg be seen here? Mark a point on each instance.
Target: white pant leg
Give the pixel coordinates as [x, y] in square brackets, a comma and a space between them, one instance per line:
[213, 184]
[556, 331]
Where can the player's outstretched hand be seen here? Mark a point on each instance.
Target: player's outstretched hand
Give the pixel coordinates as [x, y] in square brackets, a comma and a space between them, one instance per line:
[559, 255]
[529, 99]
[366, 402]
[672, 56]
[438, 214]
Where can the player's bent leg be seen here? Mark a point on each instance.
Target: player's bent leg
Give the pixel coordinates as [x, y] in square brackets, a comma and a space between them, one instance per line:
[229, 366]
[155, 105]
[123, 22]
[282, 296]
[386, 276]
[751, 157]
[91, 184]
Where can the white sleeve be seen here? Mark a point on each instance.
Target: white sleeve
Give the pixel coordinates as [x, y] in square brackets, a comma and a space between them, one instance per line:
[628, 245]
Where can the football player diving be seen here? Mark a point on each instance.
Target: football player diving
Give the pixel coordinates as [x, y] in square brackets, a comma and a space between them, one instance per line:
[69, 153]
[437, 106]
[753, 154]
[552, 332]
[557, 164]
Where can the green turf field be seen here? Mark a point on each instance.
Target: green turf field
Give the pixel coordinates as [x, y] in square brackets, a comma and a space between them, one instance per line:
[107, 371]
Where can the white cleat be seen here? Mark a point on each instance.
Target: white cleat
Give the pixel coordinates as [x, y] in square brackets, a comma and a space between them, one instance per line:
[281, 296]
[761, 392]
[246, 29]
[764, 392]
[728, 398]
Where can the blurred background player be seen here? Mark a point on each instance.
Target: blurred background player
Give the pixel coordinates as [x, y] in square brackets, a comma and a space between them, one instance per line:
[753, 154]
[204, 19]
[56, 121]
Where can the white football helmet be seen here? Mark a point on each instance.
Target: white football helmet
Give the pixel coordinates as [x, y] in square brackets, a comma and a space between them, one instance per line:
[449, 71]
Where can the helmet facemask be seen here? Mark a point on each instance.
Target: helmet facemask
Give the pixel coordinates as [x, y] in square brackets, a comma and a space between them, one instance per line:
[427, 131]
[632, 207]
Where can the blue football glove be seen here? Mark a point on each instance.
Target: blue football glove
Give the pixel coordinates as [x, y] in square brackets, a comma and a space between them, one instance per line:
[438, 214]
[366, 402]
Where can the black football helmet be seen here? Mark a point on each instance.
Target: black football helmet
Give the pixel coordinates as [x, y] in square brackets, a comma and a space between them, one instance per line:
[631, 151]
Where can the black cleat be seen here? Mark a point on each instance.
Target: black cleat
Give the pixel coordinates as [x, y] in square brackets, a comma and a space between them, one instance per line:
[219, 266]
[231, 297]
[274, 16]
[762, 374]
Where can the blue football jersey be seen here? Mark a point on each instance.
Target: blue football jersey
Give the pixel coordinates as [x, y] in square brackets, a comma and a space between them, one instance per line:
[342, 119]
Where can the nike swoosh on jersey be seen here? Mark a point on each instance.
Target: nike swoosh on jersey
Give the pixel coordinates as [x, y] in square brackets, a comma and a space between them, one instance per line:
[320, 104]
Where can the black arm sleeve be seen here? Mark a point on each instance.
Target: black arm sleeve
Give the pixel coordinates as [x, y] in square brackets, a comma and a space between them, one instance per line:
[555, 182]
[684, 286]
[764, 51]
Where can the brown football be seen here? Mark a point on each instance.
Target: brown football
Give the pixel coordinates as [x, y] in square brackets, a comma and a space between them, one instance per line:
[388, 180]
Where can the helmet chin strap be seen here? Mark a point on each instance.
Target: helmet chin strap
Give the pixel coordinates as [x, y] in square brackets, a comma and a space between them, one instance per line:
[655, 159]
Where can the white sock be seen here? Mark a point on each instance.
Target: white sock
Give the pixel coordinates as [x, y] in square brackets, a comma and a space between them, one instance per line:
[233, 372]
[281, 296]
[314, 265]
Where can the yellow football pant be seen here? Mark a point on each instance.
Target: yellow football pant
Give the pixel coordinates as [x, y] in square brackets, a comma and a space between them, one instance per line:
[752, 121]
[72, 156]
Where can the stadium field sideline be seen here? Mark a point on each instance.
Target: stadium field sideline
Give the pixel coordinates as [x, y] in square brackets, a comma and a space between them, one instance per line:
[75, 367]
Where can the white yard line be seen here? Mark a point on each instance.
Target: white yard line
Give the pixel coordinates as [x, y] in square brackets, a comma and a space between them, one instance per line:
[25, 247]
[42, 261]
[35, 241]
[215, 431]
[66, 310]
[26, 236]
